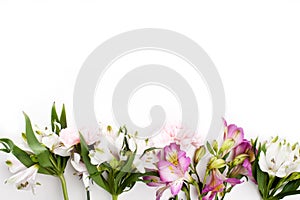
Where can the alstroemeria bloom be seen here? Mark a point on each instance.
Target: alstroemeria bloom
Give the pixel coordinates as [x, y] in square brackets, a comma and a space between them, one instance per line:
[172, 167]
[245, 151]
[91, 135]
[52, 141]
[280, 158]
[14, 165]
[69, 137]
[233, 132]
[24, 179]
[177, 134]
[104, 151]
[145, 162]
[216, 184]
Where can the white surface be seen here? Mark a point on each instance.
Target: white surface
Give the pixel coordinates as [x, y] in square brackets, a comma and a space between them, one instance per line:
[254, 46]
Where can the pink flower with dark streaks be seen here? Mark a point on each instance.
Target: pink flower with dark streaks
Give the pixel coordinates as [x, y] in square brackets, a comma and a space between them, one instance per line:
[216, 184]
[172, 167]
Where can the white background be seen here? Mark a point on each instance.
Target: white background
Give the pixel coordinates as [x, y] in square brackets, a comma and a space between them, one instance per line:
[255, 47]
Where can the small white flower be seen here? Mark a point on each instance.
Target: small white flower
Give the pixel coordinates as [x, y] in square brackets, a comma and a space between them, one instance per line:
[280, 158]
[25, 178]
[53, 142]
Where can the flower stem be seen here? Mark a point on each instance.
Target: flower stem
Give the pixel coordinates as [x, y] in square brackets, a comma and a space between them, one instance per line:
[88, 195]
[197, 188]
[64, 186]
[114, 197]
[267, 191]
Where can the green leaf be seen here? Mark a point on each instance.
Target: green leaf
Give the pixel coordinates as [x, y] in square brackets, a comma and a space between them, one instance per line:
[261, 177]
[21, 155]
[63, 118]
[92, 169]
[54, 117]
[132, 179]
[262, 180]
[127, 168]
[210, 149]
[148, 150]
[289, 189]
[41, 151]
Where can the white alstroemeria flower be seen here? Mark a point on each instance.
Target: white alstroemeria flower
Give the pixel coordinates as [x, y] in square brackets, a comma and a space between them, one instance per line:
[280, 159]
[14, 165]
[104, 151]
[294, 164]
[25, 178]
[81, 170]
[53, 142]
[146, 161]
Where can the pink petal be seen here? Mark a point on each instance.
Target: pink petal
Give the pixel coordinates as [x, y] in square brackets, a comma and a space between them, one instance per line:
[168, 172]
[184, 163]
[155, 181]
[176, 187]
[160, 192]
[233, 181]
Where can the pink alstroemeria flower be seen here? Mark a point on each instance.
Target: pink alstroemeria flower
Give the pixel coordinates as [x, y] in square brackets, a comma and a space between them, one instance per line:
[172, 168]
[245, 168]
[231, 131]
[178, 134]
[69, 137]
[216, 184]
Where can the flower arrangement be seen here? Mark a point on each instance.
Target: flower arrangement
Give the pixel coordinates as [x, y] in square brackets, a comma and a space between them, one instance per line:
[44, 151]
[176, 162]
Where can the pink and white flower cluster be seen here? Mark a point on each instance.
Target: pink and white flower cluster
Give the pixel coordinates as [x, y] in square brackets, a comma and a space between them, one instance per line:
[227, 162]
[176, 160]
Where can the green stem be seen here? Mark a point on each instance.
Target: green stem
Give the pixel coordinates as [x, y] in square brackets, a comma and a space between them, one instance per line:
[88, 195]
[267, 191]
[63, 186]
[198, 189]
[114, 197]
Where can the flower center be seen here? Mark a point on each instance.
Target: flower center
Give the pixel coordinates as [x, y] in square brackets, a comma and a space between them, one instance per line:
[173, 158]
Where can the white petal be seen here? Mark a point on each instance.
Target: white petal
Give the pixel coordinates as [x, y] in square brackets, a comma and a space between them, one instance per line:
[263, 163]
[50, 141]
[77, 164]
[62, 151]
[14, 165]
[86, 180]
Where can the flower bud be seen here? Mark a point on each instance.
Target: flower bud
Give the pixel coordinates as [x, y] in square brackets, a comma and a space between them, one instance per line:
[216, 163]
[240, 159]
[215, 146]
[199, 153]
[227, 144]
